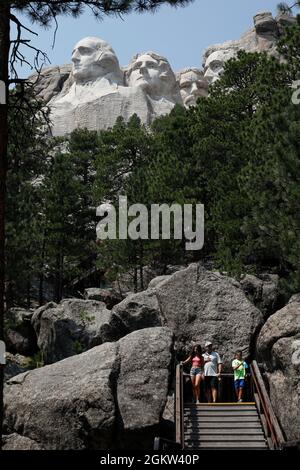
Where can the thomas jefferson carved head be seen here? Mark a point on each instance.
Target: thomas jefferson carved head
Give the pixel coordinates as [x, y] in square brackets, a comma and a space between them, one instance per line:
[153, 74]
[94, 59]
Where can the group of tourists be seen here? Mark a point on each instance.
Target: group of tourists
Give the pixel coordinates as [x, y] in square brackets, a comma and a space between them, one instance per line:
[207, 366]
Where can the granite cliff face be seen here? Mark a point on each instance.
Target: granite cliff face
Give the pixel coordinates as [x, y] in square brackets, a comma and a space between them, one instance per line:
[95, 89]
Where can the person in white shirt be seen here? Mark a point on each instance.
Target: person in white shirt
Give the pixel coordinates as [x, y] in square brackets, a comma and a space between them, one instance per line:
[212, 372]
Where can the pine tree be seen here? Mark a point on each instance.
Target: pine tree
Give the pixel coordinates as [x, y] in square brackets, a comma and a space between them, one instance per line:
[62, 201]
[27, 151]
[124, 155]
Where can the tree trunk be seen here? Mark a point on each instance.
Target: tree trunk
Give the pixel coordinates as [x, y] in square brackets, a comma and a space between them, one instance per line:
[135, 279]
[41, 276]
[57, 272]
[61, 274]
[4, 57]
[28, 291]
[141, 265]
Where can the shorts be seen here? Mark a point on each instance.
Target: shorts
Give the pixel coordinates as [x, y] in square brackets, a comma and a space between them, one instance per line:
[195, 371]
[211, 381]
[239, 383]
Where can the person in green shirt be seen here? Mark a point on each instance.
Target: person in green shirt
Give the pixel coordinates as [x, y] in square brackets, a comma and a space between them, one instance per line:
[239, 367]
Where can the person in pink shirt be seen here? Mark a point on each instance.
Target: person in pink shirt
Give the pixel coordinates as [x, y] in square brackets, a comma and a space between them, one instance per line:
[196, 372]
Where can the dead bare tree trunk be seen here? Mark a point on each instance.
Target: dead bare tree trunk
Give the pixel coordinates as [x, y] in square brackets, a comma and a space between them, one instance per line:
[4, 60]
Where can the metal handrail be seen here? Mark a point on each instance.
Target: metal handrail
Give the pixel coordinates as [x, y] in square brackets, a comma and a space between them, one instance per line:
[179, 406]
[273, 429]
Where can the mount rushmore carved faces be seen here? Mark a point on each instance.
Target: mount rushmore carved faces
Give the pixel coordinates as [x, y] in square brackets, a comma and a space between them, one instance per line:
[214, 63]
[152, 73]
[98, 94]
[95, 90]
[192, 85]
[94, 59]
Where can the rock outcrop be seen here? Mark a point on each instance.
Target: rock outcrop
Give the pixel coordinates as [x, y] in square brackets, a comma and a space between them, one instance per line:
[200, 305]
[16, 442]
[137, 311]
[263, 291]
[112, 396]
[278, 349]
[71, 327]
[52, 81]
[262, 37]
[197, 305]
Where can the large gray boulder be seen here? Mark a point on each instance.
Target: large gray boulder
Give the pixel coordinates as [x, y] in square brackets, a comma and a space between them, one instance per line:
[197, 305]
[71, 327]
[200, 305]
[264, 23]
[278, 347]
[112, 396]
[263, 292]
[16, 442]
[158, 280]
[65, 405]
[143, 384]
[136, 312]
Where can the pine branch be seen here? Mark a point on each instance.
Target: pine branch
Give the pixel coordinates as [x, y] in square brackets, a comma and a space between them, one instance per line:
[283, 7]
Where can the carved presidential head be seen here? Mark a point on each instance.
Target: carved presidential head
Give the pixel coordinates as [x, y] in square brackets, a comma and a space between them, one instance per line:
[214, 63]
[152, 73]
[94, 59]
[192, 85]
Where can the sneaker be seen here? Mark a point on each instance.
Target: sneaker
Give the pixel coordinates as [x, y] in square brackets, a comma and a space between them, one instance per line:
[197, 402]
[240, 400]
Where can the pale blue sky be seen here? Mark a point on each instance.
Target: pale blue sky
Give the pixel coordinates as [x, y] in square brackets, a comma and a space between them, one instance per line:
[179, 34]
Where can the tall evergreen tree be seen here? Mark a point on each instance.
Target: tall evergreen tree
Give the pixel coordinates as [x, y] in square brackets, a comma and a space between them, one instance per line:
[28, 150]
[124, 155]
[62, 203]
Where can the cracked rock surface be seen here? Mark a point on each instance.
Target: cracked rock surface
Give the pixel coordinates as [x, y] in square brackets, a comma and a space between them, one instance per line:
[278, 348]
[88, 400]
